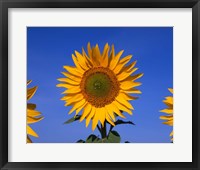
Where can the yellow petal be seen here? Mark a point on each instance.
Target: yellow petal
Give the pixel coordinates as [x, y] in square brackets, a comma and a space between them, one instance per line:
[77, 64]
[65, 85]
[124, 102]
[105, 57]
[115, 60]
[105, 50]
[171, 90]
[77, 105]
[74, 71]
[104, 63]
[88, 61]
[73, 90]
[96, 55]
[81, 60]
[114, 108]
[112, 54]
[170, 123]
[109, 120]
[72, 77]
[128, 68]
[135, 77]
[125, 59]
[128, 97]
[110, 112]
[31, 120]
[126, 85]
[33, 113]
[124, 75]
[89, 50]
[166, 117]
[133, 90]
[122, 107]
[88, 118]
[31, 92]
[31, 132]
[169, 100]
[28, 82]
[74, 99]
[102, 114]
[69, 81]
[80, 108]
[168, 111]
[86, 111]
[68, 96]
[95, 121]
[122, 63]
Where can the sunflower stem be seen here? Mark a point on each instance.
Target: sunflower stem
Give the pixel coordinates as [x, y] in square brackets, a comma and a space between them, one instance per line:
[99, 129]
[103, 131]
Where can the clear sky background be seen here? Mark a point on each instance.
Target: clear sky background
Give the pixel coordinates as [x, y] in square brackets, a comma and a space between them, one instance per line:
[49, 48]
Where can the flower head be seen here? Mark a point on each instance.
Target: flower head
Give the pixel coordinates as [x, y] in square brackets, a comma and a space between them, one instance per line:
[100, 85]
[168, 118]
[33, 116]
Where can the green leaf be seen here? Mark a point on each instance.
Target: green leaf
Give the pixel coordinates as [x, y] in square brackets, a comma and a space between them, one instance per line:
[73, 119]
[114, 137]
[119, 122]
[105, 140]
[80, 141]
[92, 139]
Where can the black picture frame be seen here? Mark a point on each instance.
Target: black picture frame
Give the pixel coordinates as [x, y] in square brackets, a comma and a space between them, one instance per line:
[6, 4]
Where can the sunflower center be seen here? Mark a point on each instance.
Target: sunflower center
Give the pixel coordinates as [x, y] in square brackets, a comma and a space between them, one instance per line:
[99, 86]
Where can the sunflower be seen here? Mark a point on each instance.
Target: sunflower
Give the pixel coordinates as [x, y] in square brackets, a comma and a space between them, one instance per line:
[169, 118]
[100, 84]
[33, 116]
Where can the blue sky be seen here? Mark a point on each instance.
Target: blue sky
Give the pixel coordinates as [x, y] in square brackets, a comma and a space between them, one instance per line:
[49, 48]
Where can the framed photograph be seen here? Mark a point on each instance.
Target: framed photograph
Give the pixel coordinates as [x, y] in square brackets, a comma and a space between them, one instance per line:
[99, 85]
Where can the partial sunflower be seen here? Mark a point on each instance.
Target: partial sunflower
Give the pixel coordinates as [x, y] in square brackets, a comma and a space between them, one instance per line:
[33, 116]
[100, 84]
[169, 118]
